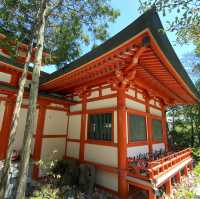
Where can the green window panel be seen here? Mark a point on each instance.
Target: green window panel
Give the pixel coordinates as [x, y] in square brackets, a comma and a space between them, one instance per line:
[157, 130]
[100, 126]
[137, 128]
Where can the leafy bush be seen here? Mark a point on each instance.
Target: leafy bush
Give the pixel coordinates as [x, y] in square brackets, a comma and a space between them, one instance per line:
[185, 190]
[48, 191]
[196, 154]
[68, 171]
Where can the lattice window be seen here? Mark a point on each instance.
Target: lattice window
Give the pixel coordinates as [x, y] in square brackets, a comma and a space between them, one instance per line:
[100, 126]
[137, 128]
[157, 130]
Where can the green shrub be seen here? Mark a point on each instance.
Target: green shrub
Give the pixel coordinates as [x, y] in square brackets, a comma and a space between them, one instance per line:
[196, 153]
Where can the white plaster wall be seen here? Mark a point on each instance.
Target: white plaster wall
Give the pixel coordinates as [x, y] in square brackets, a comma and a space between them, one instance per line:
[131, 92]
[107, 91]
[73, 149]
[135, 105]
[21, 127]
[140, 96]
[115, 126]
[76, 98]
[94, 94]
[151, 101]
[3, 95]
[2, 109]
[20, 130]
[105, 103]
[106, 155]
[5, 77]
[57, 105]
[106, 179]
[74, 127]
[158, 104]
[53, 148]
[157, 147]
[77, 107]
[154, 111]
[55, 122]
[136, 150]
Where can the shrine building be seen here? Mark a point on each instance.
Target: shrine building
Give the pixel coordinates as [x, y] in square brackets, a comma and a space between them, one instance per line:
[107, 108]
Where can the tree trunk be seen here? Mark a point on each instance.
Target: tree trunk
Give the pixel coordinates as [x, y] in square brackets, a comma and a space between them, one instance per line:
[15, 119]
[30, 120]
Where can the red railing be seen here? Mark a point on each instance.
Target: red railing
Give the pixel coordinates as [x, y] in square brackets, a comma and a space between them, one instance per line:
[151, 169]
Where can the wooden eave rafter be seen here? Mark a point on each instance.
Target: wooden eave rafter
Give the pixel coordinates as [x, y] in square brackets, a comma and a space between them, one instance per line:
[98, 68]
[101, 70]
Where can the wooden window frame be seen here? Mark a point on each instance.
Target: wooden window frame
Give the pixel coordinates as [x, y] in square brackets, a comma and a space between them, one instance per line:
[101, 142]
[137, 113]
[154, 117]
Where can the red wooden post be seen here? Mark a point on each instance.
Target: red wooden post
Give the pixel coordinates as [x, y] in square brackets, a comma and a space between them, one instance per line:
[190, 165]
[169, 187]
[148, 122]
[186, 170]
[83, 127]
[122, 144]
[178, 177]
[164, 123]
[152, 194]
[6, 125]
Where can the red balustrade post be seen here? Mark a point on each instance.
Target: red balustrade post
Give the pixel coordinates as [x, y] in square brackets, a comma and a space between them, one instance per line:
[169, 187]
[191, 165]
[152, 194]
[178, 177]
[186, 170]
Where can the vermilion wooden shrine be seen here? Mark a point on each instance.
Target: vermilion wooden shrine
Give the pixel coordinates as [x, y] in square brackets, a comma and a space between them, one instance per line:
[108, 108]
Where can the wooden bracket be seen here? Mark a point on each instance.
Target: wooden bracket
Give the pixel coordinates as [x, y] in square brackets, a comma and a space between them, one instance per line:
[83, 92]
[122, 81]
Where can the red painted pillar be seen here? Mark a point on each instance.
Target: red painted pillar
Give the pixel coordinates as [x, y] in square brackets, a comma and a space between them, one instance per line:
[164, 123]
[6, 125]
[83, 127]
[191, 165]
[38, 140]
[152, 194]
[186, 170]
[122, 144]
[178, 177]
[169, 187]
[149, 125]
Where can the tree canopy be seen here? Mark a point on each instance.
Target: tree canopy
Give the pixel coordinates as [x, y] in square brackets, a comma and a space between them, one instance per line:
[70, 24]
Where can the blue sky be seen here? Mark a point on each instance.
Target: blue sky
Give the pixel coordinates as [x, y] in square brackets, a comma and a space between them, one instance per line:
[129, 12]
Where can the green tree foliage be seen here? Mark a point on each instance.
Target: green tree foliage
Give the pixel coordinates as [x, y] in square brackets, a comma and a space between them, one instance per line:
[185, 21]
[59, 26]
[70, 24]
[185, 124]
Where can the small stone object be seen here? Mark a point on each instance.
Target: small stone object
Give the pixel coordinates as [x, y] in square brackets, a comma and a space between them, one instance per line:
[87, 178]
